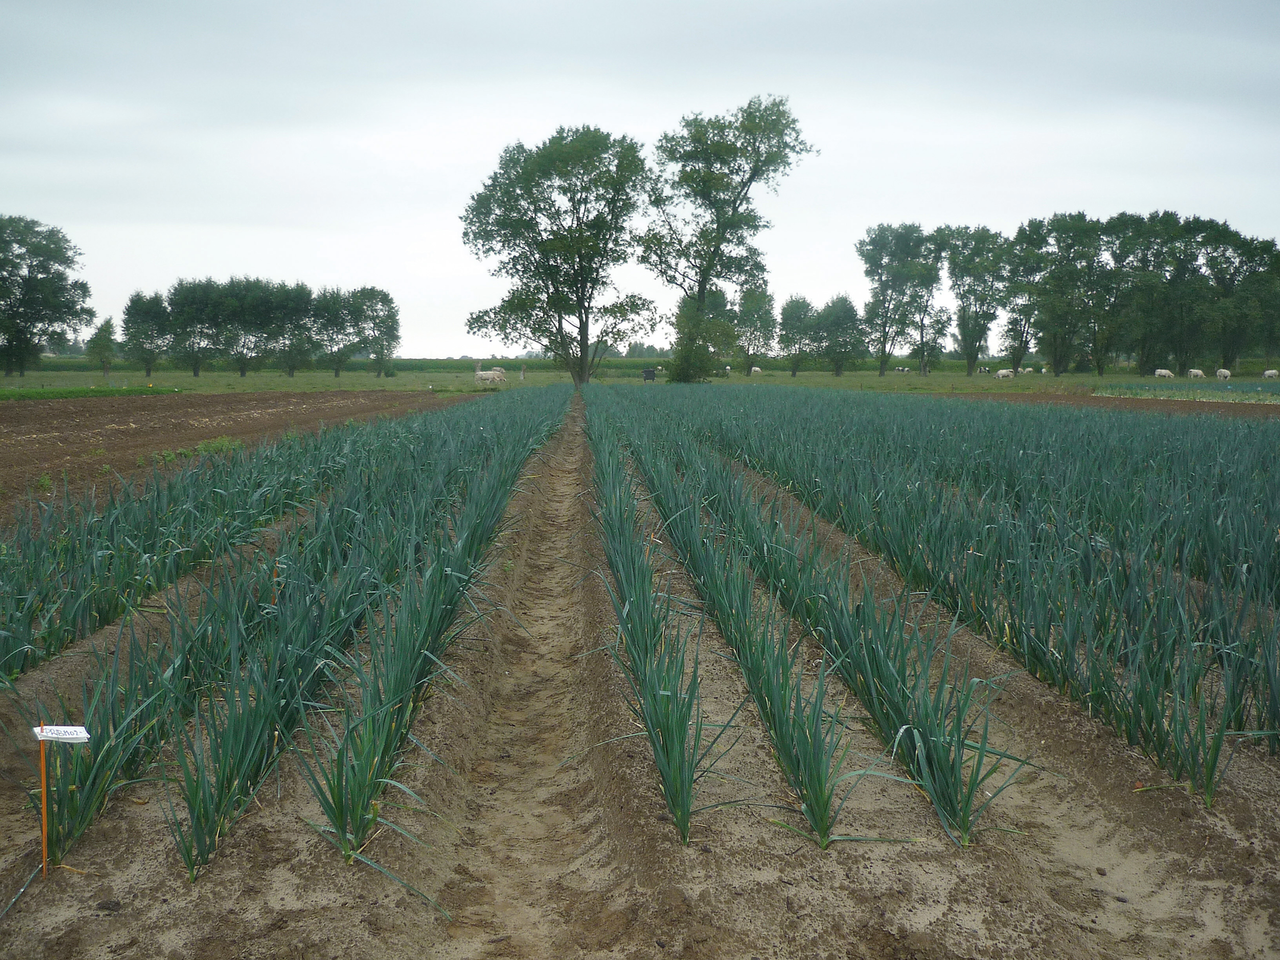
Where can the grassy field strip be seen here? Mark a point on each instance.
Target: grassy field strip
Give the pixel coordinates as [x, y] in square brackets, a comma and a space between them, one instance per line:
[1120, 624]
[225, 695]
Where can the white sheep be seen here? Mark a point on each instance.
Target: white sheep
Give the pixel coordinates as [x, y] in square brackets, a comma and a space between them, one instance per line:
[1195, 374]
[489, 376]
[1224, 374]
[1162, 372]
[1270, 374]
[1004, 374]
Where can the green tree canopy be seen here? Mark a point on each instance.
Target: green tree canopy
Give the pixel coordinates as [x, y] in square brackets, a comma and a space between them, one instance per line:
[147, 329]
[557, 218]
[199, 327]
[336, 328]
[101, 346]
[837, 333]
[797, 331]
[903, 264]
[704, 222]
[38, 297]
[756, 324]
[977, 260]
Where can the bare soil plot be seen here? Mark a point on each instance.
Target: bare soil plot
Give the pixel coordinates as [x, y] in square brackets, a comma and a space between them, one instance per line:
[89, 440]
[547, 837]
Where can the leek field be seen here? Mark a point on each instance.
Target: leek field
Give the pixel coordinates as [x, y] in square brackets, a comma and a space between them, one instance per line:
[731, 670]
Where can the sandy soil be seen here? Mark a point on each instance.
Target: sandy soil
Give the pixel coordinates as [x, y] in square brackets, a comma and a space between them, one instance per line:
[545, 834]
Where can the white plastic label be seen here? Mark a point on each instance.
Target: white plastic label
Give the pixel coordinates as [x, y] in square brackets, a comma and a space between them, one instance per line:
[62, 734]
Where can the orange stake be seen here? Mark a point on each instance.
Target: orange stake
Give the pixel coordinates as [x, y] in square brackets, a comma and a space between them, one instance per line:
[44, 812]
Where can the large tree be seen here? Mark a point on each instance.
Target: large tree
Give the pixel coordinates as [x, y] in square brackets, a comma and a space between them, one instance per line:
[101, 346]
[147, 329]
[38, 298]
[378, 317]
[704, 221]
[838, 334]
[798, 336]
[903, 264]
[336, 328]
[756, 324]
[1230, 259]
[1026, 268]
[199, 328]
[977, 261]
[557, 219]
[294, 346]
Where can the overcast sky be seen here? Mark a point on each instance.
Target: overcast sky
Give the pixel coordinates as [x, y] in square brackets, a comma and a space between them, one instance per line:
[338, 144]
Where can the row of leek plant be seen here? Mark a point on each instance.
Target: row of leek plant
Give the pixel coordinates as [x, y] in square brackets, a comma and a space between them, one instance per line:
[1180, 665]
[350, 766]
[806, 735]
[934, 721]
[220, 700]
[72, 565]
[652, 651]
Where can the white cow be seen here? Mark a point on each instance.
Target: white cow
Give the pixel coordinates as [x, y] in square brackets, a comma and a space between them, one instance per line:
[1164, 373]
[1224, 374]
[755, 370]
[1270, 374]
[1005, 374]
[1195, 374]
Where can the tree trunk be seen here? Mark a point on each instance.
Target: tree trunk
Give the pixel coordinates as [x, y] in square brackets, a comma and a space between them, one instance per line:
[148, 366]
[336, 372]
[289, 372]
[195, 368]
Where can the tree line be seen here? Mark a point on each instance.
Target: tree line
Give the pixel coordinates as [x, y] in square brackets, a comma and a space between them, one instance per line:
[558, 218]
[1162, 289]
[245, 320]
[250, 321]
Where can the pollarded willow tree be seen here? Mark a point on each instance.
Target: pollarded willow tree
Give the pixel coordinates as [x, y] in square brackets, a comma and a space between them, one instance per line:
[558, 220]
[704, 221]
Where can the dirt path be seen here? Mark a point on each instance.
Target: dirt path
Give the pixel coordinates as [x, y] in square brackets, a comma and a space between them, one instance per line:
[527, 834]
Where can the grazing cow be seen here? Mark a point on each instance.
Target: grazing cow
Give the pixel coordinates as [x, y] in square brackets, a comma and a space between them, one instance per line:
[1270, 374]
[659, 369]
[649, 374]
[1005, 374]
[1164, 373]
[755, 370]
[1224, 374]
[1195, 374]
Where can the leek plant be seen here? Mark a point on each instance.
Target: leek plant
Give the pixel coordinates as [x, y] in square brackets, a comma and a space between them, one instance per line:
[124, 713]
[653, 651]
[1141, 579]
